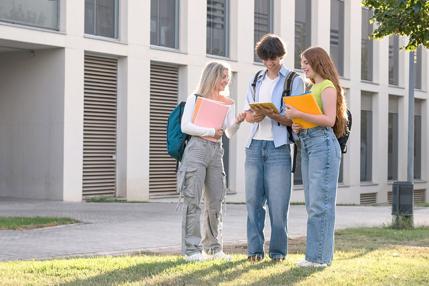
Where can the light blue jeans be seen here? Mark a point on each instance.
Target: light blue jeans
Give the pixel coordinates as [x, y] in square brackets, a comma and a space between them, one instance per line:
[320, 164]
[268, 180]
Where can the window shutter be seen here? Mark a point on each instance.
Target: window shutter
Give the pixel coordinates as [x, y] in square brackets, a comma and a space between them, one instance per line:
[164, 82]
[100, 120]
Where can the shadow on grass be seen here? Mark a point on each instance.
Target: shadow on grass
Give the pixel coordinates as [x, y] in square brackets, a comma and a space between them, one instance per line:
[366, 240]
[196, 274]
[207, 275]
[129, 274]
[173, 271]
[145, 271]
[289, 276]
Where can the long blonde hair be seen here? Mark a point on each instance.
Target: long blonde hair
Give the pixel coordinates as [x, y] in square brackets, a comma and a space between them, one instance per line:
[322, 64]
[212, 74]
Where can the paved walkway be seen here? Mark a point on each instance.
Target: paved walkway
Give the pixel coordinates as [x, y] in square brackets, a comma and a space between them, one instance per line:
[118, 228]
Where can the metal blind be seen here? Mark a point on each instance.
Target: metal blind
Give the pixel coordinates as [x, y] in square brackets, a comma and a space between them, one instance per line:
[164, 82]
[100, 114]
[368, 199]
[420, 196]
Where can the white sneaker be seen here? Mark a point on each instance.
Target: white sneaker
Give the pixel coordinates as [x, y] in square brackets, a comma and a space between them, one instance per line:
[305, 263]
[218, 255]
[195, 257]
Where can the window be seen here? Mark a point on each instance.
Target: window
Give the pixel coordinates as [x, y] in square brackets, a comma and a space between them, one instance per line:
[366, 138]
[302, 28]
[36, 13]
[367, 46]
[101, 18]
[418, 139]
[394, 60]
[337, 34]
[418, 68]
[164, 23]
[217, 27]
[393, 135]
[263, 20]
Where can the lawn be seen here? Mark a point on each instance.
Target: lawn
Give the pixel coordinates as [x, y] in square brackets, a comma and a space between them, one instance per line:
[19, 223]
[366, 256]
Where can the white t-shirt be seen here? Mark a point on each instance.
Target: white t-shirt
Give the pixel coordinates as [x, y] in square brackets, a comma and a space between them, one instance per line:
[264, 131]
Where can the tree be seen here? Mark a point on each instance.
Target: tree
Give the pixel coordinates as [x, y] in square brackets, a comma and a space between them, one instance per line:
[408, 18]
[401, 17]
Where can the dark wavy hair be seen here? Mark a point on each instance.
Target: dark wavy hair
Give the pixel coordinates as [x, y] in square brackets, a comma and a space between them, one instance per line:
[270, 46]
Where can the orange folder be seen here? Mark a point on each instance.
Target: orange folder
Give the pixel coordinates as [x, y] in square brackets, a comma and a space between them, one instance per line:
[209, 113]
[304, 103]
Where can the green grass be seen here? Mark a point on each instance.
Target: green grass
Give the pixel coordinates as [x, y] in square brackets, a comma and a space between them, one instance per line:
[365, 256]
[19, 223]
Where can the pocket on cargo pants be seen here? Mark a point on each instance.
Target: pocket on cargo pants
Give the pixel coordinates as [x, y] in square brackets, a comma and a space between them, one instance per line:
[185, 178]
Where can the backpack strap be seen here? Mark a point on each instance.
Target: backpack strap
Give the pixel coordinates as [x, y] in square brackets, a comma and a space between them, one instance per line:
[255, 79]
[287, 89]
[286, 92]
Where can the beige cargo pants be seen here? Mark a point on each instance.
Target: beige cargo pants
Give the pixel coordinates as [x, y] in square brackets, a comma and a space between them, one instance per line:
[202, 166]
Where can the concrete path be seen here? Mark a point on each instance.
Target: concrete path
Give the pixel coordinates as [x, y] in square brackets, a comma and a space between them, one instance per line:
[120, 228]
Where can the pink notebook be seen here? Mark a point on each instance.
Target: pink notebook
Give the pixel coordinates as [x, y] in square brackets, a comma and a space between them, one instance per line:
[209, 113]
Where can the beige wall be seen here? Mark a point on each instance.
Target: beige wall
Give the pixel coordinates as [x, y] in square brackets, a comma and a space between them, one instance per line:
[134, 53]
[31, 124]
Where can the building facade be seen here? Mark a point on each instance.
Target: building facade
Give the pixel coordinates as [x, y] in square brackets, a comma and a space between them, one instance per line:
[86, 88]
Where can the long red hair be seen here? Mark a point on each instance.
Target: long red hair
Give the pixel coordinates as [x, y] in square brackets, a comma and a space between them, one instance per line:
[322, 64]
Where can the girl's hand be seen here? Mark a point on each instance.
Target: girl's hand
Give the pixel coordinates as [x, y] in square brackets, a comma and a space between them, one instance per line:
[296, 128]
[218, 133]
[291, 112]
[258, 117]
[240, 117]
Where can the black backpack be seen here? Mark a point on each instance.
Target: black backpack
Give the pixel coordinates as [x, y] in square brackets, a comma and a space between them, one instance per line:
[343, 139]
[287, 89]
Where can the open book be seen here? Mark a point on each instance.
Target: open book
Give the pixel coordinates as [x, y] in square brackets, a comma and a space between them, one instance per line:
[269, 105]
[209, 113]
[304, 103]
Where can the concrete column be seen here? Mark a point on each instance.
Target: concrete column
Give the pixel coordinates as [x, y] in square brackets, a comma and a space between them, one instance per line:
[245, 25]
[196, 26]
[137, 69]
[73, 124]
[321, 25]
[352, 158]
[73, 100]
[381, 117]
[286, 27]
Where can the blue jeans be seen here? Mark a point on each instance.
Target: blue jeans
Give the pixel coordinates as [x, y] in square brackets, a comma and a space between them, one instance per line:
[320, 164]
[268, 180]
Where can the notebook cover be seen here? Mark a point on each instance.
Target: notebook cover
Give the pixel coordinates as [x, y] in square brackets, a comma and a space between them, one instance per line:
[265, 105]
[209, 113]
[304, 103]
